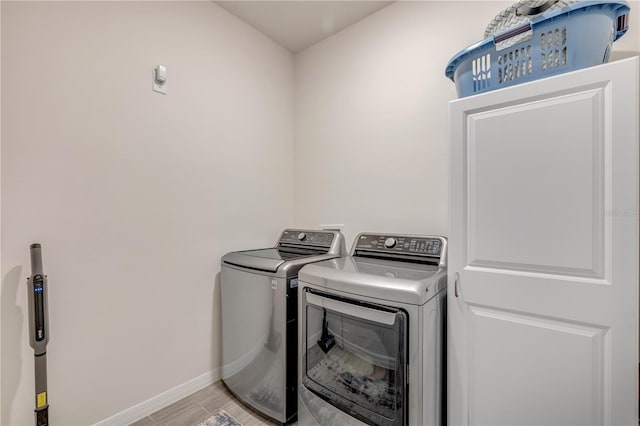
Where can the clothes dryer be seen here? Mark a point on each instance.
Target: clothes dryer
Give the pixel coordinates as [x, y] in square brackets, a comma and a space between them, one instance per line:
[260, 318]
[372, 333]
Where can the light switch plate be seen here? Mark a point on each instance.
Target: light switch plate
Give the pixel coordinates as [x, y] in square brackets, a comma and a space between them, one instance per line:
[160, 88]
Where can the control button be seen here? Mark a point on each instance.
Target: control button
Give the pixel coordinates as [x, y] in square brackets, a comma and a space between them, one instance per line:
[390, 242]
[302, 236]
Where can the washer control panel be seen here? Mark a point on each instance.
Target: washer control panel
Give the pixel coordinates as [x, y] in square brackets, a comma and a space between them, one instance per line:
[400, 244]
[312, 238]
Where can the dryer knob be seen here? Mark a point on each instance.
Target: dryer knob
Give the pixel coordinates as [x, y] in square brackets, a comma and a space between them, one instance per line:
[390, 243]
[302, 236]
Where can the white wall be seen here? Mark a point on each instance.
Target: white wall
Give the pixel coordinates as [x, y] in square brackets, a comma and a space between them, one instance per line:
[371, 116]
[134, 195]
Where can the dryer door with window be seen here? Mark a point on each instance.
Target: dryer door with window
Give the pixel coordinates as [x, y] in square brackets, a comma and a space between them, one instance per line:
[355, 356]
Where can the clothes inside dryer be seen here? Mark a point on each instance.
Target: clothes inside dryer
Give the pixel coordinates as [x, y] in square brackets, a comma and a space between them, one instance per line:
[365, 368]
[369, 342]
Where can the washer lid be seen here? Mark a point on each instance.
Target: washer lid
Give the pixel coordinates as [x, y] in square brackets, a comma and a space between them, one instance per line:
[381, 279]
[294, 248]
[261, 263]
[268, 259]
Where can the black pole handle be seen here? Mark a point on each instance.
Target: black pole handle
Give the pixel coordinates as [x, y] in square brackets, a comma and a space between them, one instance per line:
[42, 417]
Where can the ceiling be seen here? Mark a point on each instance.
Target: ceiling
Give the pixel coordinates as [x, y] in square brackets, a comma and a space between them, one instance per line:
[297, 25]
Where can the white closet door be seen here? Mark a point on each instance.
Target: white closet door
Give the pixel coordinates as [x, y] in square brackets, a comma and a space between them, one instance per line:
[543, 244]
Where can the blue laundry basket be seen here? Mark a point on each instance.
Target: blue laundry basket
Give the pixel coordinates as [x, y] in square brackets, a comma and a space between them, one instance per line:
[565, 39]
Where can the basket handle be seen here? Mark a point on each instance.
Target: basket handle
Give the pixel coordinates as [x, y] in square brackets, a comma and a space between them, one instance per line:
[524, 32]
[525, 10]
[622, 23]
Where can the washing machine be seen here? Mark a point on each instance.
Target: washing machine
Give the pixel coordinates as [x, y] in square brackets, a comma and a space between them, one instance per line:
[372, 336]
[260, 318]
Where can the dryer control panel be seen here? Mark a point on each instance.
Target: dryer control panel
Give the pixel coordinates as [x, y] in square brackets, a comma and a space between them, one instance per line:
[431, 249]
[305, 237]
[400, 244]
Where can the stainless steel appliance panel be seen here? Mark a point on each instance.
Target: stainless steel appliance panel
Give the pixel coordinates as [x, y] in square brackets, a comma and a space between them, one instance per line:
[253, 358]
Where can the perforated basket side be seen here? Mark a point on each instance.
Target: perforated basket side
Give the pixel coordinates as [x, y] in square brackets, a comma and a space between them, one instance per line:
[578, 38]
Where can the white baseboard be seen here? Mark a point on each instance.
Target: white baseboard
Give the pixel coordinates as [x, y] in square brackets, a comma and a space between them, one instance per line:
[157, 402]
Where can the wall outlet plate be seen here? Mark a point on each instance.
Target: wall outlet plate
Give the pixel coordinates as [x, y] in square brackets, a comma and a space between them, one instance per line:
[332, 226]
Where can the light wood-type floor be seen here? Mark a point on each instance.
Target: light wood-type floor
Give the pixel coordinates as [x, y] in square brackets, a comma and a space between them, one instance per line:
[199, 406]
